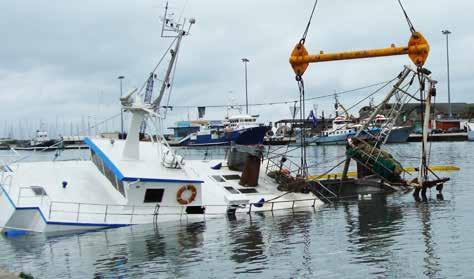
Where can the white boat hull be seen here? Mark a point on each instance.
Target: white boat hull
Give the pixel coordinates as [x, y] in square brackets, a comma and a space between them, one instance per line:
[470, 131]
[43, 219]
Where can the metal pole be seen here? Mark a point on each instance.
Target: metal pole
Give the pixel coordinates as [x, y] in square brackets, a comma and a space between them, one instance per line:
[450, 111]
[245, 60]
[121, 110]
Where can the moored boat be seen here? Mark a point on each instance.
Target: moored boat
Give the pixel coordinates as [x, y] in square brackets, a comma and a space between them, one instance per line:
[470, 131]
[397, 134]
[342, 129]
[239, 129]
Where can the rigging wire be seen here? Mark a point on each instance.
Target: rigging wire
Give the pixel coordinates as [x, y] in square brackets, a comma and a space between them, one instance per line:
[365, 98]
[182, 10]
[158, 64]
[290, 101]
[410, 24]
[305, 33]
[304, 164]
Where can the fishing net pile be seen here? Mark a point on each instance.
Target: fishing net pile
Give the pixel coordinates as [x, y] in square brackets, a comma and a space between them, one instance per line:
[378, 161]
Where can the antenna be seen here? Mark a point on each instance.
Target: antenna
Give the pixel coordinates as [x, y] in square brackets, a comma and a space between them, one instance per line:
[171, 28]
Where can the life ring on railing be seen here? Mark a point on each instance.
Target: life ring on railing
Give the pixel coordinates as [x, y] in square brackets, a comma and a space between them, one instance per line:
[180, 192]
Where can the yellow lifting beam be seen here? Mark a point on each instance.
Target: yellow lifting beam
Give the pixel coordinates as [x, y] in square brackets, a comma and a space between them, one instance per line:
[417, 49]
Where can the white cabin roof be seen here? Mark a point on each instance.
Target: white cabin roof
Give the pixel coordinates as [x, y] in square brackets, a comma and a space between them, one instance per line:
[148, 168]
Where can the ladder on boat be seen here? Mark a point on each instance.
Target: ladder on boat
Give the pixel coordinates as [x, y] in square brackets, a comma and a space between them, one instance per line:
[365, 149]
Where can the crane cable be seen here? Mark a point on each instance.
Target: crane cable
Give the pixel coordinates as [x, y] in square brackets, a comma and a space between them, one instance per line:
[305, 33]
[410, 24]
[299, 79]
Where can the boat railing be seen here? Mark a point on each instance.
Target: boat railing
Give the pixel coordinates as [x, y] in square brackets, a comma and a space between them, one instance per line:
[7, 158]
[28, 198]
[274, 163]
[6, 182]
[134, 214]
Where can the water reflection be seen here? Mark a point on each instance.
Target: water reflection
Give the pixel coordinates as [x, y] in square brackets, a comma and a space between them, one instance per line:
[373, 231]
[174, 250]
[431, 259]
[247, 245]
[294, 239]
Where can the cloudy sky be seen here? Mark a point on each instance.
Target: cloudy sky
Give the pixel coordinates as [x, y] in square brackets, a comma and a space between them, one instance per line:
[60, 59]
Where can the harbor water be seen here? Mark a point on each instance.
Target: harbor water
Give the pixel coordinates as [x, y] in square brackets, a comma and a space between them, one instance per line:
[366, 237]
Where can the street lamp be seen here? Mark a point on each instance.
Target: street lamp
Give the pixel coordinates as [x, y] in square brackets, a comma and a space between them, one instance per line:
[245, 60]
[447, 32]
[121, 110]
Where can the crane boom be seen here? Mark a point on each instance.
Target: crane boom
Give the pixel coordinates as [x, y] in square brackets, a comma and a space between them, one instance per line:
[417, 49]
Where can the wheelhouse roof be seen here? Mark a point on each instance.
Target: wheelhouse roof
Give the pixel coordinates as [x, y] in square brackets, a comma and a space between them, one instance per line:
[147, 169]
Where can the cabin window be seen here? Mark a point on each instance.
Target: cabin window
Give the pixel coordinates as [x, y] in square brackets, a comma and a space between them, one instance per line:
[231, 177]
[38, 190]
[154, 195]
[195, 210]
[97, 161]
[218, 178]
[231, 190]
[108, 173]
[248, 191]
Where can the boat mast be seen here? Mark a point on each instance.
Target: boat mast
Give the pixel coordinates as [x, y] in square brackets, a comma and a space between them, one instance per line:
[424, 169]
[171, 29]
[140, 110]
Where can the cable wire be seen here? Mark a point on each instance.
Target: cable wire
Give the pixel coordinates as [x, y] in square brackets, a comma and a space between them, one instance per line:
[289, 101]
[410, 24]
[305, 33]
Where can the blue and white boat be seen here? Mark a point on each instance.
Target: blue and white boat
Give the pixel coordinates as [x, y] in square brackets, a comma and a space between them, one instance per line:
[130, 182]
[398, 134]
[342, 129]
[239, 129]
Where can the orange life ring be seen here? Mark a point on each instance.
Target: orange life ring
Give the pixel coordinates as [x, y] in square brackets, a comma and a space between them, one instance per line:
[180, 192]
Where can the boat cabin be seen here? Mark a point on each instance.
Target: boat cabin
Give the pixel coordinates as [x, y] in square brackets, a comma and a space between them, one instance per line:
[242, 121]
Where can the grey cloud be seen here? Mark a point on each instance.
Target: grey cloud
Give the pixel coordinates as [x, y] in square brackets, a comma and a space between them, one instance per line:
[57, 56]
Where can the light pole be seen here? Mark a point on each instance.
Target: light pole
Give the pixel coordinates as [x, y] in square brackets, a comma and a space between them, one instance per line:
[121, 110]
[447, 32]
[245, 60]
